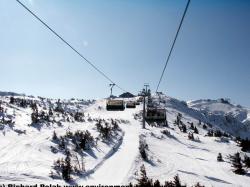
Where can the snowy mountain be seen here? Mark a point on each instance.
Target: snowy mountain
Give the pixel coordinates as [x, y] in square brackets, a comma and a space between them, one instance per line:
[38, 137]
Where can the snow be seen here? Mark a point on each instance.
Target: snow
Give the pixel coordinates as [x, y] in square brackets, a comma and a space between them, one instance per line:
[26, 156]
[116, 168]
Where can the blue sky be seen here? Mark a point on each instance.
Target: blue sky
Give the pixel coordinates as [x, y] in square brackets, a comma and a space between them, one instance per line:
[129, 40]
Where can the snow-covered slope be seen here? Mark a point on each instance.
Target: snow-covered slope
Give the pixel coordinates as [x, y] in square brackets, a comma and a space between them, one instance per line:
[223, 113]
[28, 152]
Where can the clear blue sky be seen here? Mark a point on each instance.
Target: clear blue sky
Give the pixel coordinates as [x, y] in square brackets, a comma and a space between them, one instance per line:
[129, 40]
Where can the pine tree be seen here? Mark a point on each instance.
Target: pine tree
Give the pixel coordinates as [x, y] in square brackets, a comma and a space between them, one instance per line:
[190, 136]
[67, 168]
[217, 133]
[178, 119]
[130, 184]
[169, 184]
[157, 183]
[210, 133]
[50, 112]
[142, 149]
[23, 103]
[192, 126]
[62, 144]
[54, 137]
[196, 130]
[177, 181]
[236, 164]
[1, 108]
[219, 158]
[204, 126]
[144, 180]
[184, 128]
[244, 144]
[246, 161]
[12, 100]
[34, 117]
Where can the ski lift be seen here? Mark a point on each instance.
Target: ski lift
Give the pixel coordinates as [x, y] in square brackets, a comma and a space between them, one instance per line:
[155, 114]
[131, 104]
[140, 99]
[114, 105]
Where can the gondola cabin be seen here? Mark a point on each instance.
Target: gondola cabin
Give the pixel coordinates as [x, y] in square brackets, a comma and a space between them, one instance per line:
[113, 105]
[131, 104]
[140, 99]
[156, 115]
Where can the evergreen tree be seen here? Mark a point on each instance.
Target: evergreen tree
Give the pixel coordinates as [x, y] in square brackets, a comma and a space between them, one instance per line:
[190, 136]
[192, 126]
[1, 108]
[59, 107]
[217, 133]
[169, 184]
[34, 117]
[23, 103]
[219, 158]
[210, 133]
[54, 137]
[62, 144]
[177, 181]
[67, 168]
[246, 161]
[244, 144]
[157, 183]
[142, 148]
[236, 164]
[178, 119]
[196, 130]
[144, 180]
[12, 100]
[50, 112]
[130, 184]
[184, 128]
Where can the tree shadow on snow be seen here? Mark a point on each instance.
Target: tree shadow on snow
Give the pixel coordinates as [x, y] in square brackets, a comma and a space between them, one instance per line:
[188, 172]
[183, 155]
[151, 162]
[91, 153]
[217, 180]
[201, 159]
[195, 147]
[247, 174]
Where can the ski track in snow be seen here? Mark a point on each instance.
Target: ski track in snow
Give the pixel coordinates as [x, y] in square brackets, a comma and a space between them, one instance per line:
[116, 167]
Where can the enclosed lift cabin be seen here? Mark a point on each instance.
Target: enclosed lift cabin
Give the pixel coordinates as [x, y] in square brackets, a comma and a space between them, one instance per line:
[157, 115]
[114, 105]
[131, 104]
[139, 100]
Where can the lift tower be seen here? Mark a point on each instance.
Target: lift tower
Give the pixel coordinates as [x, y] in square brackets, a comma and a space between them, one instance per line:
[111, 89]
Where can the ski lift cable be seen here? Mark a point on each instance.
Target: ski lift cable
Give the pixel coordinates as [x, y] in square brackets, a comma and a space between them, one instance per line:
[172, 47]
[69, 45]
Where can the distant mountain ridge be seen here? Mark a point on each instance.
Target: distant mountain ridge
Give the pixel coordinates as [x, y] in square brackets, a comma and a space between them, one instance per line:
[2, 93]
